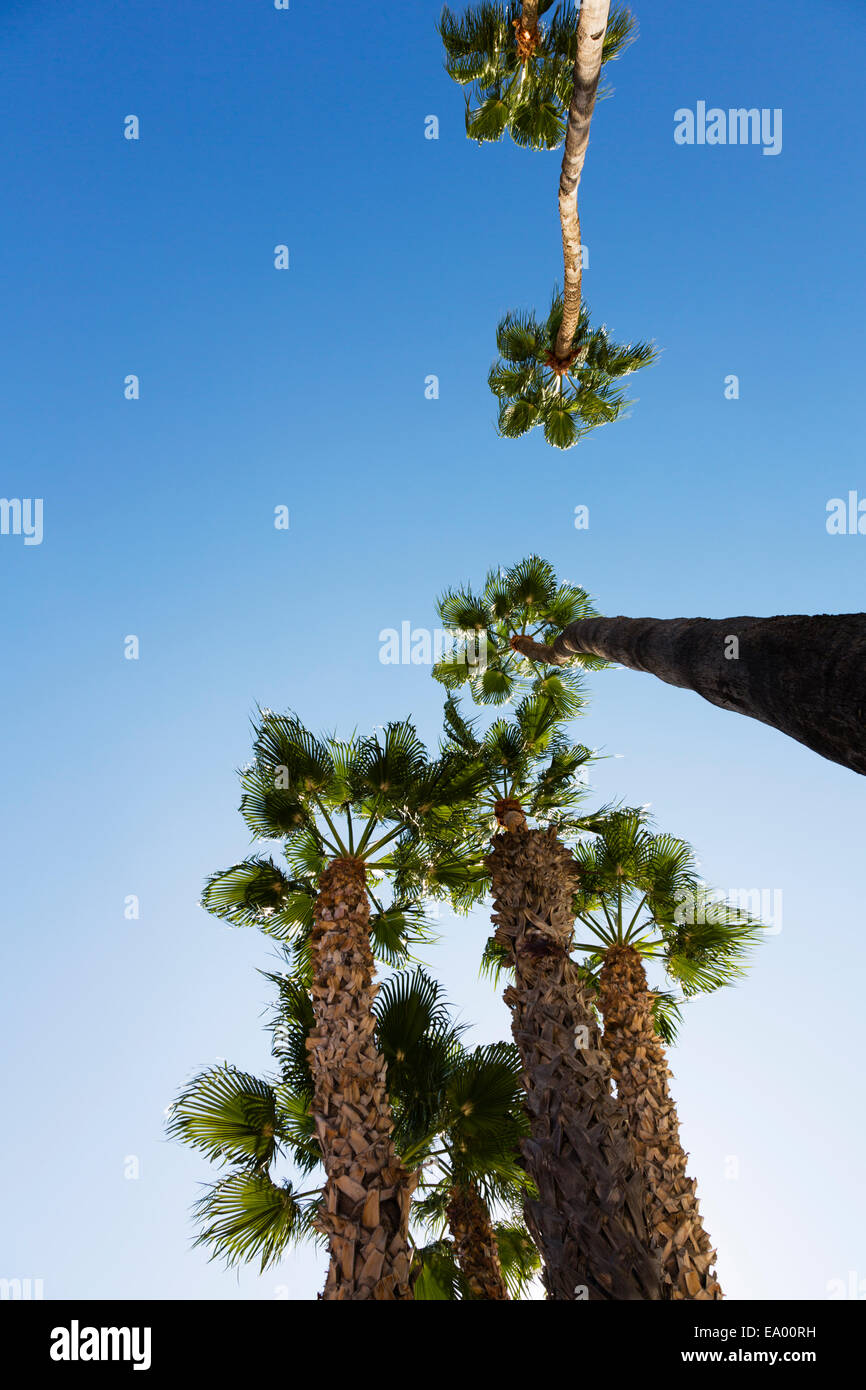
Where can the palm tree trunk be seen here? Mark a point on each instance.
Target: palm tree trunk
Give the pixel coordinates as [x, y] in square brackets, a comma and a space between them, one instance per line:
[475, 1242]
[641, 1073]
[588, 1219]
[526, 31]
[365, 1206]
[529, 17]
[805, 676]
[591, 29]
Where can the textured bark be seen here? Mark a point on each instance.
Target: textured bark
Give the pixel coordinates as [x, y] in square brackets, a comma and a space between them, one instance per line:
[529, 17]
[591, 29]
[805, 676]
[641, 1073]
[365, 1206]
[475, 1243]
[588, 1219]
[526, 31]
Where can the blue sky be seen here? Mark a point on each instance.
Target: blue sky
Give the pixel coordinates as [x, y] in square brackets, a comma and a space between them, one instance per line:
[305, 388]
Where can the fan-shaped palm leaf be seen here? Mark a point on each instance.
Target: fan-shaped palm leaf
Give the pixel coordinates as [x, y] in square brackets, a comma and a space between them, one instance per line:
[437, 1277]
[230, 1116]
[256, 893]
[518, 1257]
[247, 1215]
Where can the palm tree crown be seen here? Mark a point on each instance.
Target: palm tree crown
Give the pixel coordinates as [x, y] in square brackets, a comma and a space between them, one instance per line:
[641, 889]
[530, 767]
[525, 600]
[566, 396]
[378, 799]
[520, 78]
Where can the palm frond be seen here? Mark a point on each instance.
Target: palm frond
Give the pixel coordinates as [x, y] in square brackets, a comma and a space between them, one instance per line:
[667, 1015]
[228, 1115]
[283, 746]
[269, 810]
[246, 1215]
[518, 1257]
[256, 893]
[291, 1023]
[436, 1274]
[484, 1100]
[713, 949]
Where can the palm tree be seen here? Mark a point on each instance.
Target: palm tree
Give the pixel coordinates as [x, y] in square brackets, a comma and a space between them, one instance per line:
[456, 1113]
[560, 373]
[639, 898]
[525, 600]
[569, 390]
[520, 73]
[351, 814]
[799, 674]
[588, 1215]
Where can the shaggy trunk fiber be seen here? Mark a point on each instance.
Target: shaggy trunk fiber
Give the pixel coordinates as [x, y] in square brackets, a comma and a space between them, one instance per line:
[529, 17]
[588, 1219]
[365, 1206]
[641, 1073]
[805, 676]
[591, 29]
[475, 1242]
[526, 32]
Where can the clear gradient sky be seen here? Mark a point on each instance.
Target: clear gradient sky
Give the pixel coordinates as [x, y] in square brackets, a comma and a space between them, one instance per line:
[306, 388]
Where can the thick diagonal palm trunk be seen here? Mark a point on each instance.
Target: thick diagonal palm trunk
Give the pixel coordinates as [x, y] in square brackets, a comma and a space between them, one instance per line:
[588, 1219]
[803, 675]
[641, 1073]
[475, 1243]
[365, 1206]
[591, 29]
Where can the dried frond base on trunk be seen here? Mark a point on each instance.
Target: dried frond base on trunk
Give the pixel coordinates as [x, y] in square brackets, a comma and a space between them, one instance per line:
[475, 1243]
[641, 1072]
[365, 1208]
[588, 1219]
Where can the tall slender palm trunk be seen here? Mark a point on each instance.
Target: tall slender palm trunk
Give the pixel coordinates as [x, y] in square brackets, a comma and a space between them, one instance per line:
[591, 29]
[641, 1073]
[475, 1242]
[365, 1207]
[803, 675]
[588, 1219]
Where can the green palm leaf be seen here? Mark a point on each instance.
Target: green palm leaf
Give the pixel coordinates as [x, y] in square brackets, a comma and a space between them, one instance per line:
[437, 1275]
[282, 744]
[705, 955]
[228, 1115]
[246, 1215]
[518, 1257]
[256, 893]
[270, 811]
[484, 1101]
